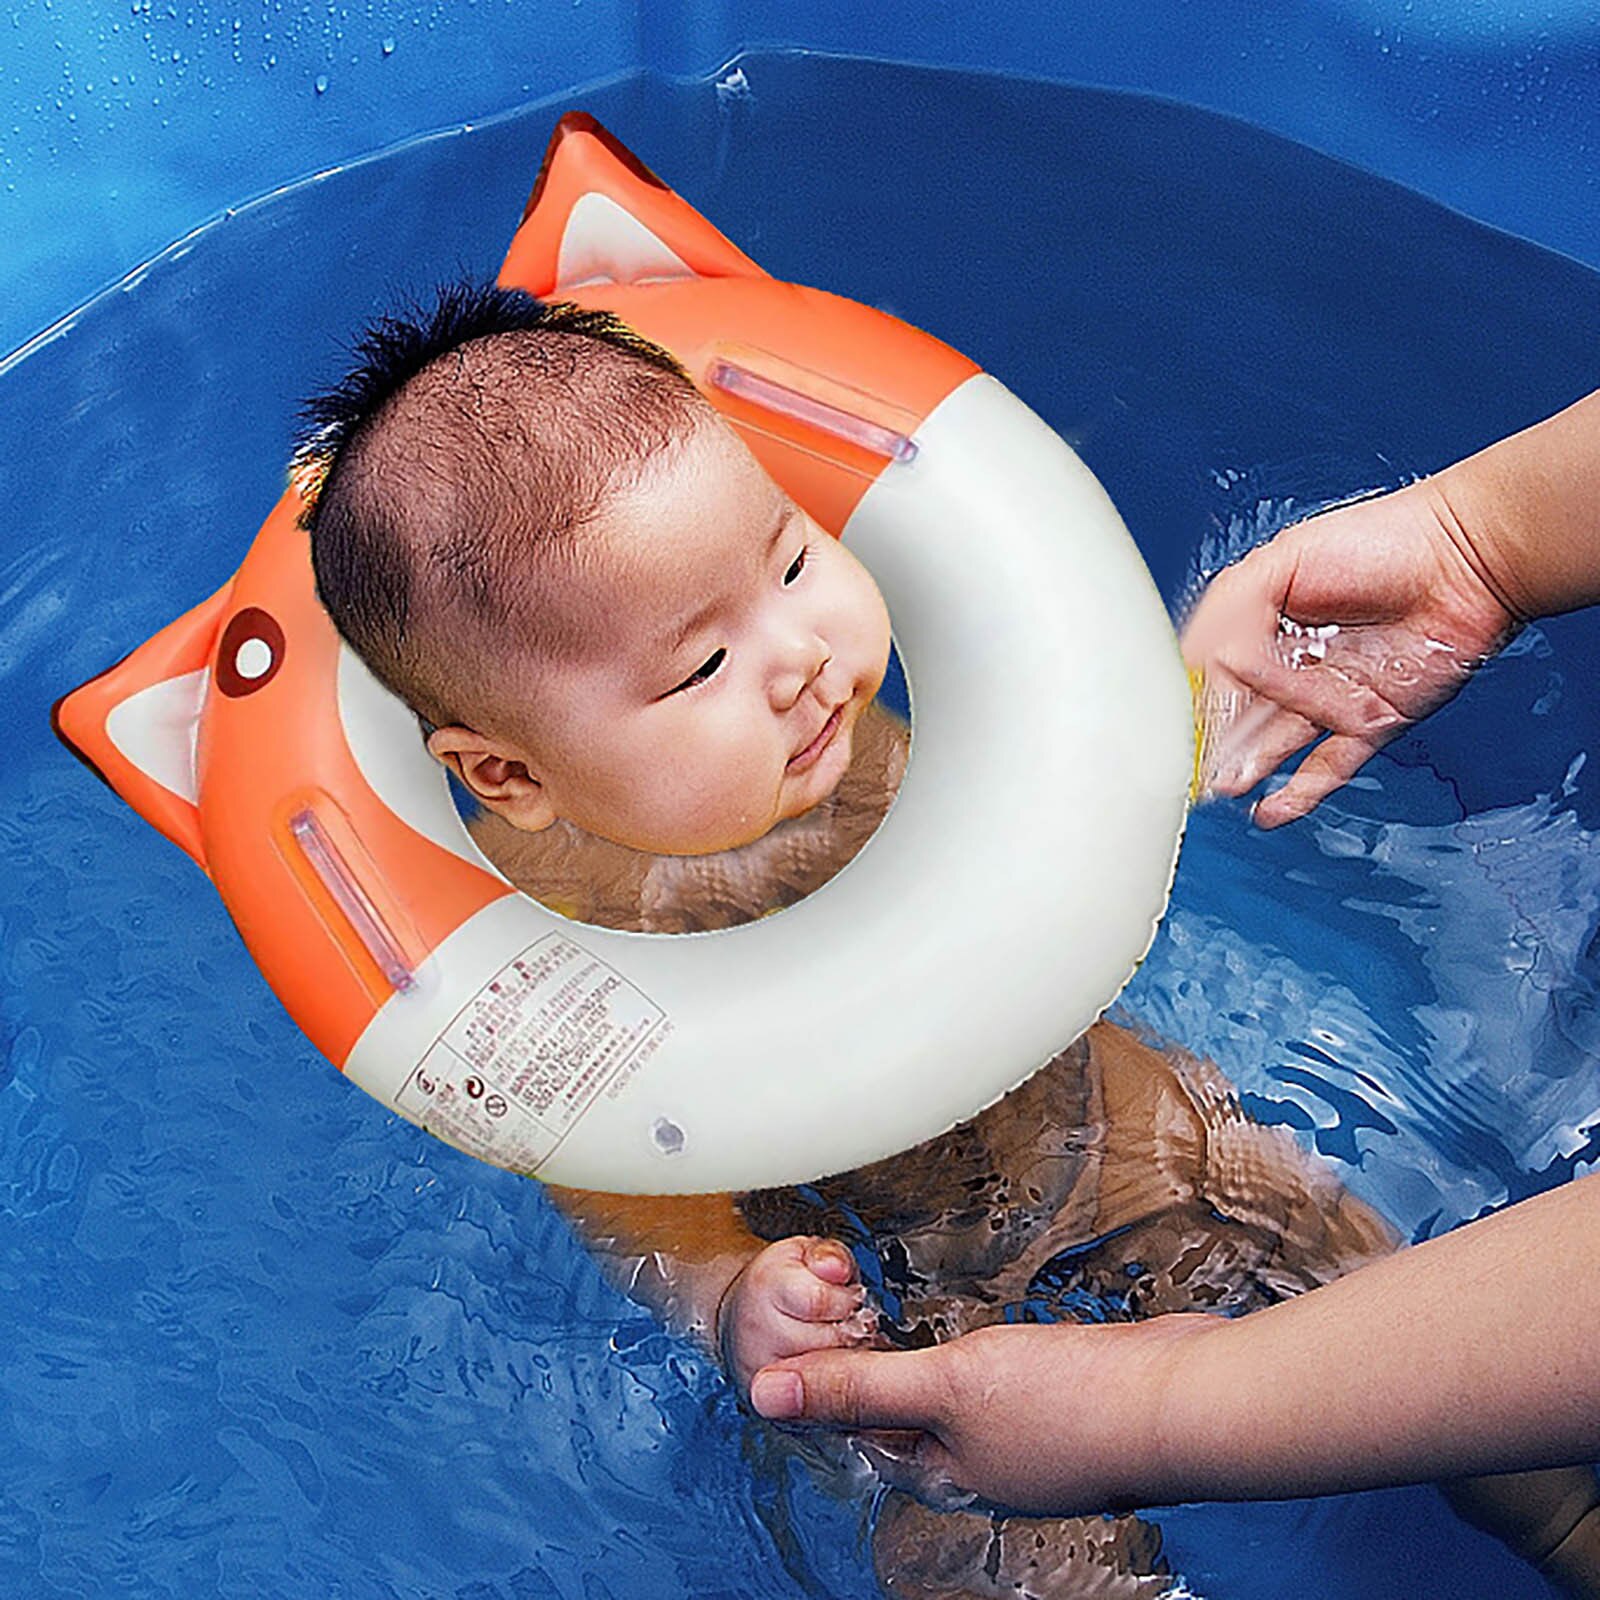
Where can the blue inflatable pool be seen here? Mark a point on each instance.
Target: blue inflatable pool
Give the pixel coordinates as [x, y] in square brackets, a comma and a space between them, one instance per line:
[263, 1338]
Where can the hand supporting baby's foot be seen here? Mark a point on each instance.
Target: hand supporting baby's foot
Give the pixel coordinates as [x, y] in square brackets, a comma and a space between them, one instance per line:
[797, 1295]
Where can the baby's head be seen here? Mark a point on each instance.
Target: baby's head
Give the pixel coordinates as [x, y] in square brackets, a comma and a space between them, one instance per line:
[536, 531]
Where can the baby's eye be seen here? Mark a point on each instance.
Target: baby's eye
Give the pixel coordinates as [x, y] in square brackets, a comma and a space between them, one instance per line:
[797, 566]
[704, 670]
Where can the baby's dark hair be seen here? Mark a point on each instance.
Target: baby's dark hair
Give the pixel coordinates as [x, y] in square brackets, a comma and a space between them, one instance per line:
[450, 475]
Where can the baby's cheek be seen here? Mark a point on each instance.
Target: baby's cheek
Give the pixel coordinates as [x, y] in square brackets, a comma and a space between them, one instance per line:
[704, 774]
[696, 791]
[734, 792]
[859, 620]
[877, 622]
[632, 796]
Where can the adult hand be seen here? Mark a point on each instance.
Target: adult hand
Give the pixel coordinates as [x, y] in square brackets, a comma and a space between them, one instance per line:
[1446, 1360]
[1045, 1418]
[1355, 623]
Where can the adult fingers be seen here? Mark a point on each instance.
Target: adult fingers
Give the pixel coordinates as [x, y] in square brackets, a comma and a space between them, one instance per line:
[1333, 763]
[1243, 747]
[855, 1389]
[919, 1463]
[1318, 691]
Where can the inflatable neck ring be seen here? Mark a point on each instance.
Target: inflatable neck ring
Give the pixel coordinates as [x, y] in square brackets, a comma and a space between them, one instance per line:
[1003, 903]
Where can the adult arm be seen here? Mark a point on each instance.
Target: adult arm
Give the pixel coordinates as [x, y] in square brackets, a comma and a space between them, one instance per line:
[1360, 621]
[1472, 1353]
[1527, 510]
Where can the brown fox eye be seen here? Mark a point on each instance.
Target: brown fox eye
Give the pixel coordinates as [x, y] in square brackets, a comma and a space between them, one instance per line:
[250, 653]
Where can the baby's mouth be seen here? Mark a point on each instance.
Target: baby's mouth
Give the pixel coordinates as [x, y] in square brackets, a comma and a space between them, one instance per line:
[807, 757]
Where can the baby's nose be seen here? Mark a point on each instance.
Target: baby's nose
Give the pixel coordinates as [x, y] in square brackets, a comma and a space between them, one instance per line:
[799, 665]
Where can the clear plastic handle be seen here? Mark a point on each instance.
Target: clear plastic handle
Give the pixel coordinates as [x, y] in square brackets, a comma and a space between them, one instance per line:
[783, 400]
[333, 872]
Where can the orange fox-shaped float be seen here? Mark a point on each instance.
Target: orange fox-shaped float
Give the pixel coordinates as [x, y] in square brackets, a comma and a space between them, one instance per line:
[249, 735]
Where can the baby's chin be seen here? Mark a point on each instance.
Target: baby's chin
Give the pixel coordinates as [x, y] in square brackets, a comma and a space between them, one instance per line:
[734, 834]
[737, 835]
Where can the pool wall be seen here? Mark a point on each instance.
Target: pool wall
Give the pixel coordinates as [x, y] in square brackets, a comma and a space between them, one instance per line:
[127, 124]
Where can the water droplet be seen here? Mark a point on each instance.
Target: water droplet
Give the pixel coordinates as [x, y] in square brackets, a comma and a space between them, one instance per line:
[388, 47]
[322, 84]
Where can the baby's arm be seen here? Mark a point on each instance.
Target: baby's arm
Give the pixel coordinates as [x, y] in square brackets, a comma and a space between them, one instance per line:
[693, 1261]
[676, 1255]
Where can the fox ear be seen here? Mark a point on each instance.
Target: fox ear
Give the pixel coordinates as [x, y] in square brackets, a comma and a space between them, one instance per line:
[135, 725]
[598, 214]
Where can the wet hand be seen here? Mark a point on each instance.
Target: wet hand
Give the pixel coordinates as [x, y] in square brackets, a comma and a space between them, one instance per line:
[797, 1295]
[1354, 624]
[1055, 1419]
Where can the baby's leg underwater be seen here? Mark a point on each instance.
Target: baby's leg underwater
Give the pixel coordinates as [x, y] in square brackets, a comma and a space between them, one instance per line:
[920, 1554]
[1551, 1519]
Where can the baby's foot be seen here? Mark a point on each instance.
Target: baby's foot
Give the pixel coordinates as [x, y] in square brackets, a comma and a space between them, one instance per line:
[799, 1294]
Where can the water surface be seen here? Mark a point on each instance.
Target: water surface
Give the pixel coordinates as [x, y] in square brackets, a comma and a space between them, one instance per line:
[264, 1338]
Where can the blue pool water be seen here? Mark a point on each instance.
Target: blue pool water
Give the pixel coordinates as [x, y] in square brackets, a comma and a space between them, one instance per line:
[261, 1337]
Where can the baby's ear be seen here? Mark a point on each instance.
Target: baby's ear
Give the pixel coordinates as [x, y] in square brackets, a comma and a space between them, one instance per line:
[497, 775]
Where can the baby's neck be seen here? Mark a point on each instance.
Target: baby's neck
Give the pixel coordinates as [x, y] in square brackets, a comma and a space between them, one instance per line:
[595, 880]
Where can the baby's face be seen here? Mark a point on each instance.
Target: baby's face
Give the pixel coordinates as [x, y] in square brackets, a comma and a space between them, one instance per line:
[736, 646]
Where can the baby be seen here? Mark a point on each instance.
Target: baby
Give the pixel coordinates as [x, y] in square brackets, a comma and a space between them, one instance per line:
[657, 677]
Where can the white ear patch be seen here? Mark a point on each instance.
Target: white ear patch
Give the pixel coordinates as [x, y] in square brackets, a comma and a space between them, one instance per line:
[605, 244]
[156, 730]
